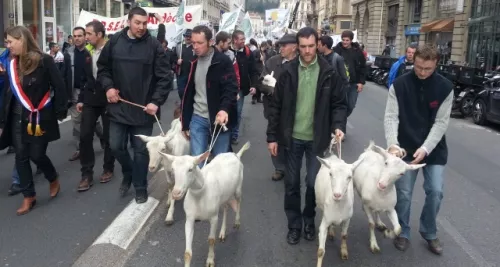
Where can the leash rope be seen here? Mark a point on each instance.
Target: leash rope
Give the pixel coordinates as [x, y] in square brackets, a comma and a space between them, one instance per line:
[213, 140]
[338, 143]
[143, 107]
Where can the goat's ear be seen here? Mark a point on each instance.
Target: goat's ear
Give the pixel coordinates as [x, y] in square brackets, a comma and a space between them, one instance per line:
[167, 156]
[323, 162]
[411, 167]
[355, 164]
[379, 150]
[143, 138]
[202, 157]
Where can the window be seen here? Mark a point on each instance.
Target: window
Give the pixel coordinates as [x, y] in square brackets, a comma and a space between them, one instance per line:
[345, 25]
[446, 8]
[484, 35]
[115, 9]
[94, 6]
[415, 11]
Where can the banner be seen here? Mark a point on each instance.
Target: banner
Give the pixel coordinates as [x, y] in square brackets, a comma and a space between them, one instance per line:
[229, 21]
[277, 15]
[246, 27]
[192, 17]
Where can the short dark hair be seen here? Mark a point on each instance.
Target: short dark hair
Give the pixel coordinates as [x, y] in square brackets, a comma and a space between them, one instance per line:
[236, 33]
[51, 45]
[326, 41]
[98, 27]
[269, 42]
[137, 11]
[203, 29]
[307, 32]
[348, 34]
[412, 46]
[222, 37]
[427, 52]
[78, 28]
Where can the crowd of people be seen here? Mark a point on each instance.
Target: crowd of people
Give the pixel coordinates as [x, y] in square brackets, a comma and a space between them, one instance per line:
[308, 86]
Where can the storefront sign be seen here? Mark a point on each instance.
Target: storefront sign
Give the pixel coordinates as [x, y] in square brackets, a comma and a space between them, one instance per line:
[192, 17]
[412, 29]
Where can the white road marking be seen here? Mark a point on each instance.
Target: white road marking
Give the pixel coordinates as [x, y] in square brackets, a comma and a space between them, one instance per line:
[65, 120]
[349, 125]
[123, 230]
[462, 242]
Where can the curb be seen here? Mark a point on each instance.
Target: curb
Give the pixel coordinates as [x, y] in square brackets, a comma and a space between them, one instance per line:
[111, 248]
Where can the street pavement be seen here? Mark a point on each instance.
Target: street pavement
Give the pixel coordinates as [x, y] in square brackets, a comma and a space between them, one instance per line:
[467, 221]
[57, 233]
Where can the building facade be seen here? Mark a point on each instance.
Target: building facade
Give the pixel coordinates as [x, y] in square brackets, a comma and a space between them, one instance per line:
[399, 23]
[334, 16]
[212, 9]
[257, 22]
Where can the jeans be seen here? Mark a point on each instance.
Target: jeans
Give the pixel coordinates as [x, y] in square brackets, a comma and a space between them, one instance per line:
[15, 176]
[181, 85]
[433, 187]
[352, 97]
[134, 170]
[90, 116]
[36, 151]
[199, 130]
[236, 129]
[293, 163]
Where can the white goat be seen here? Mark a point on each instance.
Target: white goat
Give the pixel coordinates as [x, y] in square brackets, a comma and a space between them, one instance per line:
[205, 191]
[173, 143]
[335, 197]
[374, 180]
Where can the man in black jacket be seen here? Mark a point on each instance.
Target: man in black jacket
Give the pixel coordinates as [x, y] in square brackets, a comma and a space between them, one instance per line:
[92, 105]
[356, 67]
[308, 106]
[210, 96]
[133, 67]
[248, 75]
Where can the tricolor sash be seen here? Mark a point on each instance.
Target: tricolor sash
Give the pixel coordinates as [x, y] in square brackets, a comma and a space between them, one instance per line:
[25, 101]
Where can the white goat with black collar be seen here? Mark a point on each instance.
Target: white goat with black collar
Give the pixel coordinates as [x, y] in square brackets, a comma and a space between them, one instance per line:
[374, 180]
[205, 191]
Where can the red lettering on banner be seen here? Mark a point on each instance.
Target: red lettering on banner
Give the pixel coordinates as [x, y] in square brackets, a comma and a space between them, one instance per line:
[104, 23]
[188, 17]
[116, 26]
[169, 18]
[110, 27]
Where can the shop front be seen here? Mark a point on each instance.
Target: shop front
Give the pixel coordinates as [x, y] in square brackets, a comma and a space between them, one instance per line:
[484, 35]
[412, 34]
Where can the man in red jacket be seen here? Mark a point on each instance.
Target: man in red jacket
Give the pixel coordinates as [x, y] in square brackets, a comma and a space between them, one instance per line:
[222, 41]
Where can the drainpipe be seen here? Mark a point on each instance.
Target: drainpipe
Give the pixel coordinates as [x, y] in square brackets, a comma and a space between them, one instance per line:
[380, 28]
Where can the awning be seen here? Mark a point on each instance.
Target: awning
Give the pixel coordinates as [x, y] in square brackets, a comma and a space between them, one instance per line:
[440, 25]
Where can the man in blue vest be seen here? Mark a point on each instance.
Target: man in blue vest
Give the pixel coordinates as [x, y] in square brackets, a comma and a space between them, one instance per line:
[416, 119]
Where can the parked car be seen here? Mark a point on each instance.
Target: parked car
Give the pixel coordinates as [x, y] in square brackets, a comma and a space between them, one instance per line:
[487, 103]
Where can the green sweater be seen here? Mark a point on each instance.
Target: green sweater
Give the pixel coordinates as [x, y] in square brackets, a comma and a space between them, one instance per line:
[306, 100]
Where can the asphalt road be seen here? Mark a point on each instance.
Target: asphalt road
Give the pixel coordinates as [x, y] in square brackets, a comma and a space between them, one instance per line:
[56, 232]
[467, 222]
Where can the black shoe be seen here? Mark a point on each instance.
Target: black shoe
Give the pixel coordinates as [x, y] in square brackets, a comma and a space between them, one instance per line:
[141, 196]
[309, 232]
[14, 190]
[435, 246]
[293, 236]
[401, 243]
[124, 187]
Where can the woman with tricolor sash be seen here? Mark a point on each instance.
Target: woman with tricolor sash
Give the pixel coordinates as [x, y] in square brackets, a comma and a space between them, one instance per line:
[34, 100]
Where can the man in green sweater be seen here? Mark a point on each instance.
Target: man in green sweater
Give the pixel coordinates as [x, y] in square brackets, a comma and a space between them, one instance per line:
[308, 105]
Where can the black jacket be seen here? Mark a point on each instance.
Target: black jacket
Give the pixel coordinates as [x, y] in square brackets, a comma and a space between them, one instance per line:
[419, 102]
[354, 60]
[138, 68]
[222, 90]
[187, 54]
[248, 70]
[330, 110]
[91, 94]
[35, 85]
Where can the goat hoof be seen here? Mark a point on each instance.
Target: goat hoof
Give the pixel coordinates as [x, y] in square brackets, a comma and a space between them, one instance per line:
[344, 255]
[222, 237]
[374, 248]
[381, 227]
[210, 263]
[388, 234]
[236, 226]
[169, 222]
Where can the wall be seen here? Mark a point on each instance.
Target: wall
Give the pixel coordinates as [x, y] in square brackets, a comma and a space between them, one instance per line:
[461, 34]
[371, 28]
